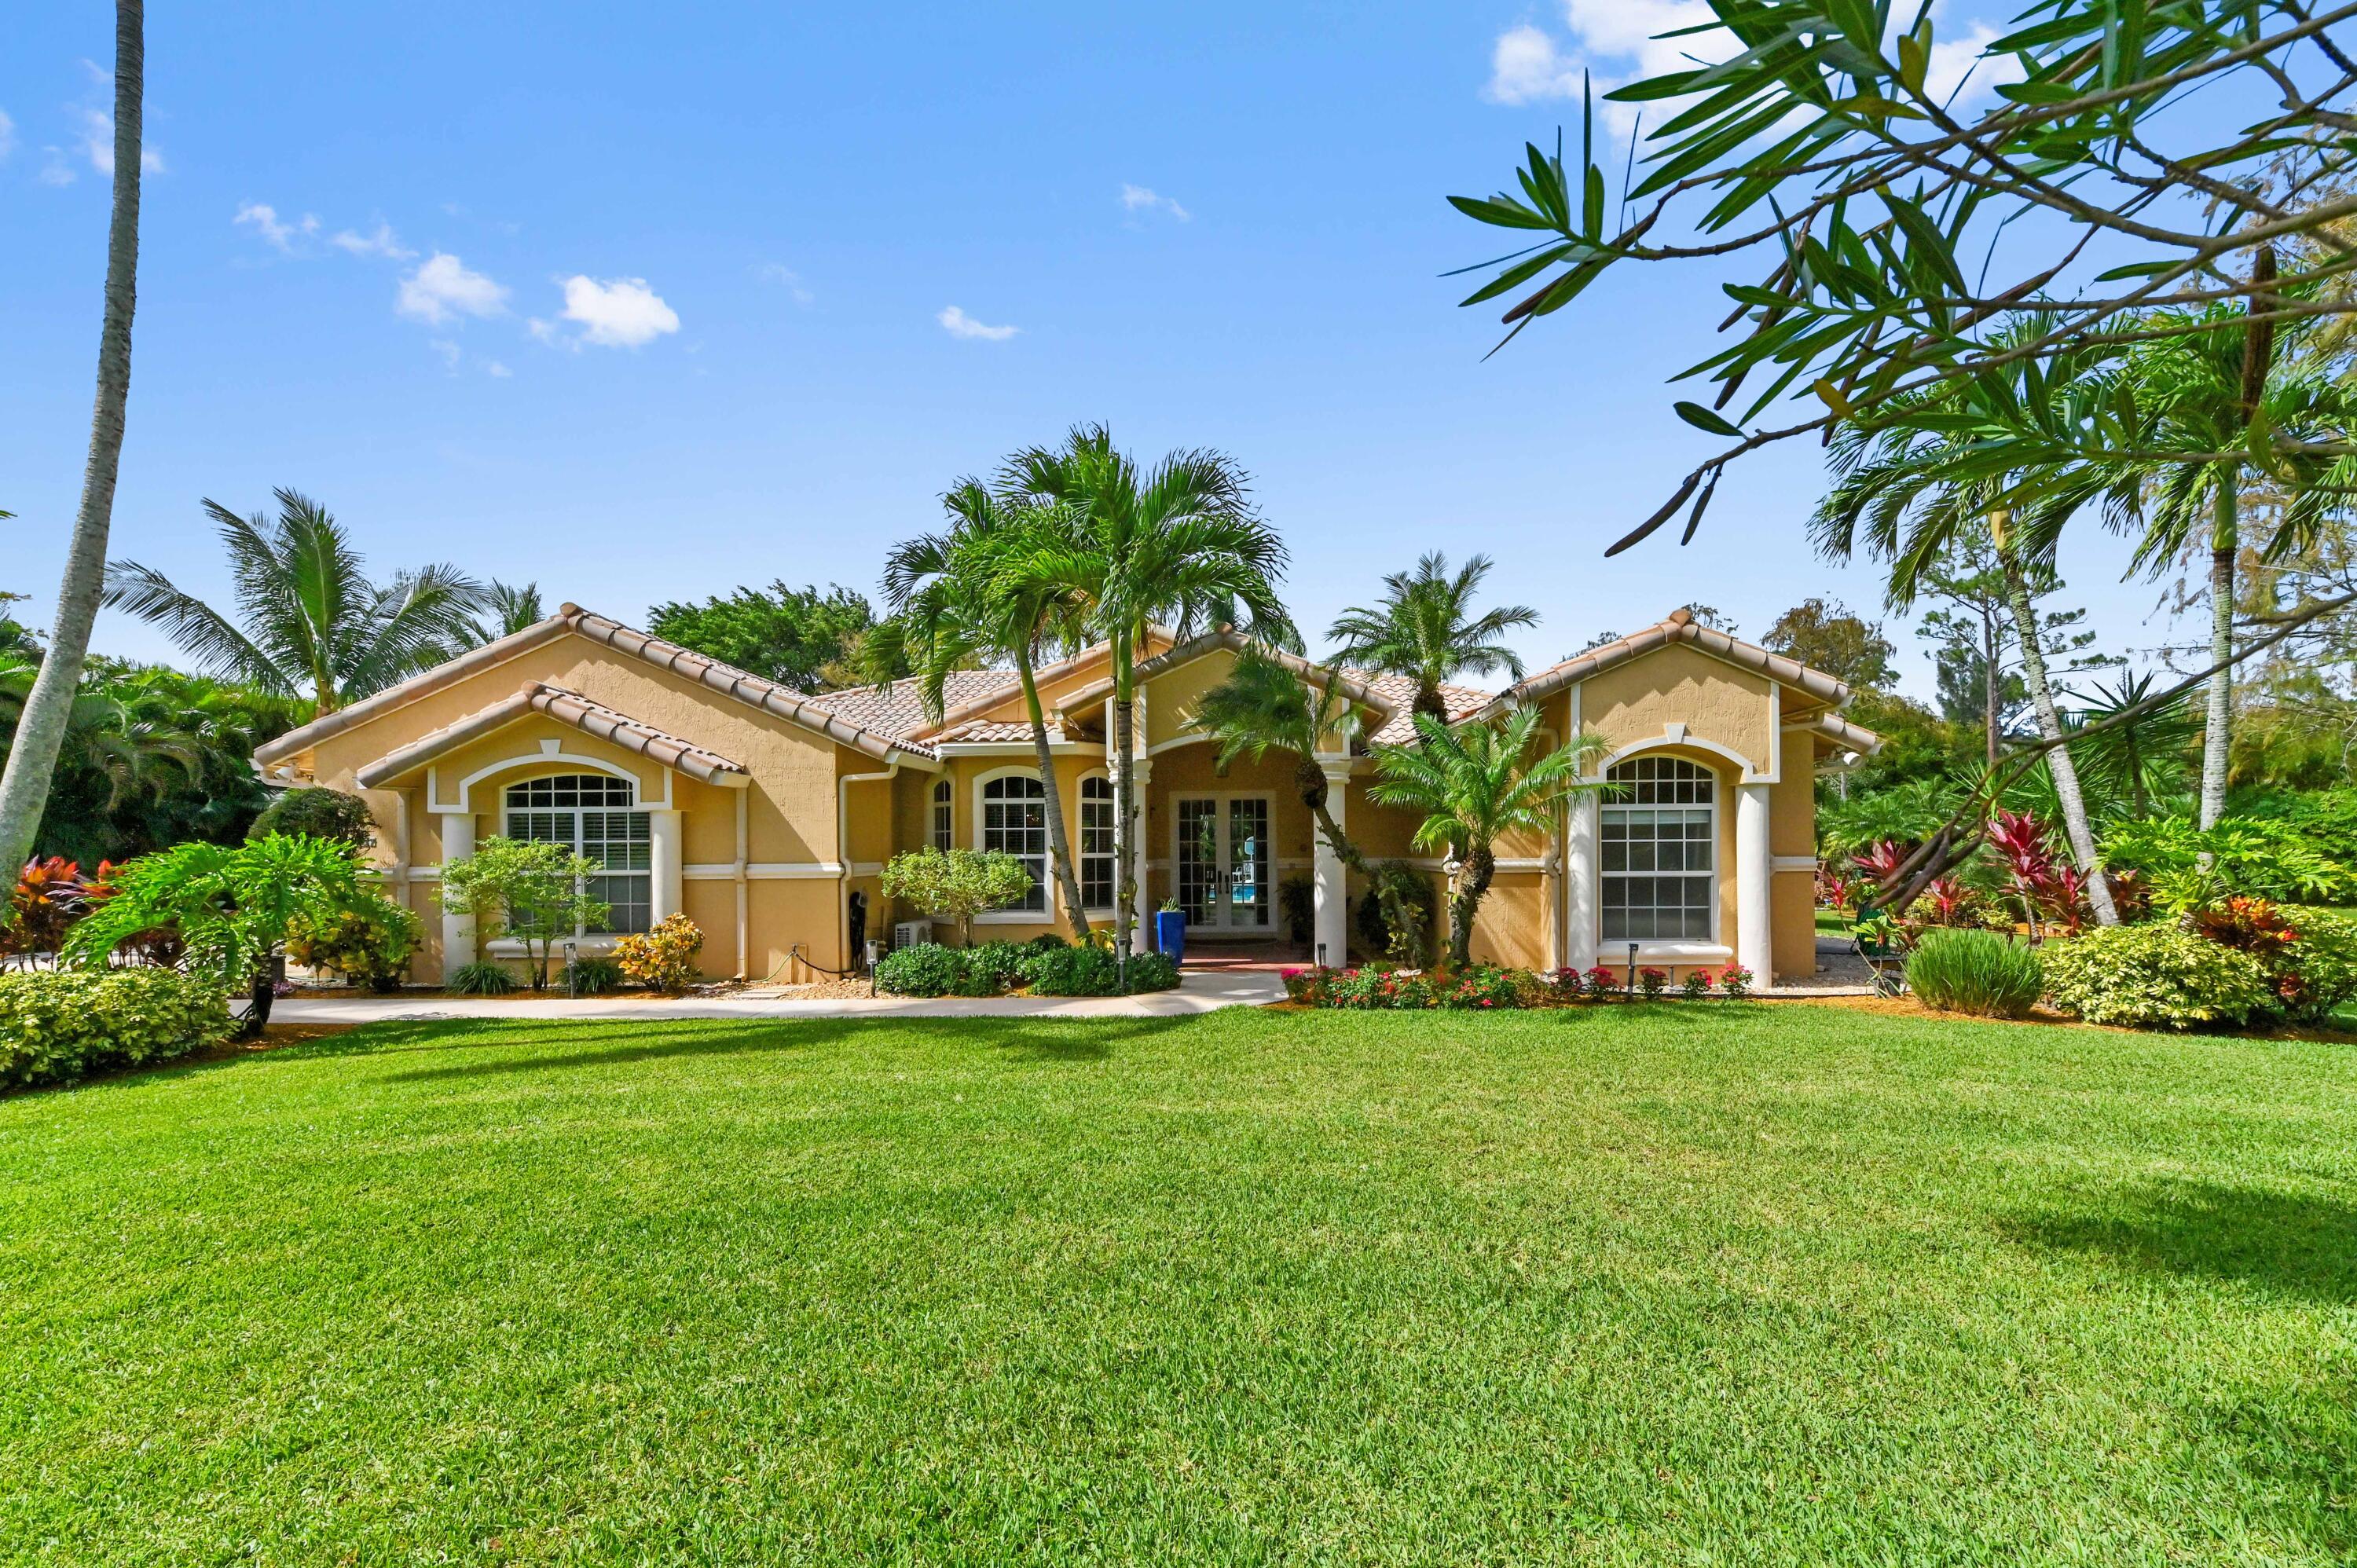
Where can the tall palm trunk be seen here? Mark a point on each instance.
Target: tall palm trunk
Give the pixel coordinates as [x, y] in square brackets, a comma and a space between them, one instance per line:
[1992, 648]
[1473, 878]
[2050, 725]
[1060, 841]
[2217, 730]
[41, 726]
[1125, 805]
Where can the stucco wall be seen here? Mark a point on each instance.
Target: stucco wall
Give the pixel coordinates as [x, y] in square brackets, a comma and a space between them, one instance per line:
[1715, 701]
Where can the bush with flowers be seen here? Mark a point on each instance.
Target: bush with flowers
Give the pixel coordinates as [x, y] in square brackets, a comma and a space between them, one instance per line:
[1735, 981]
[1600, 982]
[1697, 984]
[1653, 982]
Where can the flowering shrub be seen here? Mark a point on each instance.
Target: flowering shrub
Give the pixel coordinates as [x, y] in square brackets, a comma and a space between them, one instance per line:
[1600, 982]
[1485, 987]
[1697, 984]
[49, 897]
[1653, 982]
[1308, 986]
[662, 959]
[59, 1026]
[1735, 981]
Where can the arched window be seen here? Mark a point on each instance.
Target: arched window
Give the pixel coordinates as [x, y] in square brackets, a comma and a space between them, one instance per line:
[1097, 886]
[943, 835]
[1660, 852]
[1015, 822]
[590, 814]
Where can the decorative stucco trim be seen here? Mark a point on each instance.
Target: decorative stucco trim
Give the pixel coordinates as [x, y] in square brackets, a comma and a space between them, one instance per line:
[592, 718]
[1676, 735]
[1808, 863]
[764, 871]
[472, 663]
[1680, 627]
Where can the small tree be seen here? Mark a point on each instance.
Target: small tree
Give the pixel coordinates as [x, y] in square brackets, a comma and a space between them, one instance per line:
[232, 908]
[322, 813]
[528, 889]
[956, 883]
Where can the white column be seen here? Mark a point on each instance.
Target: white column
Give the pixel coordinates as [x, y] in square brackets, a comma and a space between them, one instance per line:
[662, 860]
[1332, 929]
[1580, 881]
[1754, 876]
[1145, 776]
[457, 931]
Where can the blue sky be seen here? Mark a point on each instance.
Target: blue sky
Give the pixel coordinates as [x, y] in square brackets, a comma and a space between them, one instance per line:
[643, 305]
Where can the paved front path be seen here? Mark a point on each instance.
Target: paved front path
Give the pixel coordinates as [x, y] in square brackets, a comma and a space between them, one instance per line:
[1199, 992]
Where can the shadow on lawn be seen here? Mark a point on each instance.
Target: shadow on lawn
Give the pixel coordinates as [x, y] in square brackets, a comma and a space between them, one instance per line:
[2285, 1243]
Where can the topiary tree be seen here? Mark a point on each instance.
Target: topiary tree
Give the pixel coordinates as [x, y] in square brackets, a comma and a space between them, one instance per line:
[232, 908]
[956, 883]
[322, 813]
[530, 890]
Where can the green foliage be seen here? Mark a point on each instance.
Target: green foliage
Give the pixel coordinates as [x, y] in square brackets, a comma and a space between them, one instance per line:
[2325, 819]
[998, 965]
[482, 977]
[1480, 989]
[1823, 635]
[1296, 900]
[2322, 962]
[1397, 914]
[2155, 975]
[1906, 813]
[527, 889]
[662, 959]
[323, 814]
[927, 969]
[957, 884]
[370, 941]
[1425, 628]
[2256, 856]
[1960, 971]
[1075, 972]
[797, 636]
[58, 1026]
[592, 977]
[1152, 972]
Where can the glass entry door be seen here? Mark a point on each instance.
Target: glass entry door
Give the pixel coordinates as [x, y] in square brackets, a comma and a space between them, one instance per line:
[1224, 864]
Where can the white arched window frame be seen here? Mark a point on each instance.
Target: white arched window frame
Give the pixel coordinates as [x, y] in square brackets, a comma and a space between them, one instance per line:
[1099, 878]
[595, 815]
[944, 830]
[1658, 850]
[1010, 816]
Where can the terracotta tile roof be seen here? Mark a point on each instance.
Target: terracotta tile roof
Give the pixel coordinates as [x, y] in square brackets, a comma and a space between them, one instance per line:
[1400, 692]
[1680, 627]
[895, 709]
[994, 730]
[567, 707]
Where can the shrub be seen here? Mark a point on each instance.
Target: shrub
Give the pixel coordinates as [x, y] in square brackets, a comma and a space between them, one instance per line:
[1600, 980]
[2154, 974]
[368, 943]
[956, 883]
[482, 977]
[1308, 985]
[1482, 988]
[1395, 917]
[1297, 898]
[1653, 982]
[1697, 984]
[1047, 942]
[926, 969]
[1073, 972]
[662, 959]
[1152, 972]
[1736, 981]
[1964, 970]
[531, 890]
[994, 967]
[59, 1026]
[49, 897]
[2323, 966]
[592, 976]
[323, 814]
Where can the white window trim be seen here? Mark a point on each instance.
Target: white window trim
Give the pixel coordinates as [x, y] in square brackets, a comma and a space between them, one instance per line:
[1094, 911]
[1679, 947]
[1044, 917]
[508, 947]
[940, 800]
[1276, 913]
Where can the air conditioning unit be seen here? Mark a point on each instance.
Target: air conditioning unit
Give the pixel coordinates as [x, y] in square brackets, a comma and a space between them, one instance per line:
[908, 933]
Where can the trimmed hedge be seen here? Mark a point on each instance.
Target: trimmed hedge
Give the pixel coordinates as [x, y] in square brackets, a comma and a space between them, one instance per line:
[929, 968]
[2155, 974]
[58, 1026]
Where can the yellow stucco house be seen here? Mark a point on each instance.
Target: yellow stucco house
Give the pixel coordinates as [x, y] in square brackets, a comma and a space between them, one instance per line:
[764, 814]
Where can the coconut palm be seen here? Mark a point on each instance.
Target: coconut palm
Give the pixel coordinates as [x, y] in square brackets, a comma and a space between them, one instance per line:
[25, 781]
[311, 623]
[506, 610]
[1921, 481]
[1175, 543]
[1475, 784]
[1425, 628]
[987, 589]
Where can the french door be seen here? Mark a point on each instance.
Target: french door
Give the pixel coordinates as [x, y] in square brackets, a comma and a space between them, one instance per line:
[1225, 866]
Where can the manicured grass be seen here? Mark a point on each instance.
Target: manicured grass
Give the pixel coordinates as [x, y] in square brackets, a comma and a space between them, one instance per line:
[1680, 1284]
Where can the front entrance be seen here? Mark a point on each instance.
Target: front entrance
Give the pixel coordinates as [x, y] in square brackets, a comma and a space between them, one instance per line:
[1225, 866]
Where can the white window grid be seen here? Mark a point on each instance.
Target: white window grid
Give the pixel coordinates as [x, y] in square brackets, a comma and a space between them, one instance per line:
[1659, 848]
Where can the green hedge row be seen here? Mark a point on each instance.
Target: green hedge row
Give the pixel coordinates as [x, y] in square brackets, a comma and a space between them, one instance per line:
[929, 968]
[58, 1026]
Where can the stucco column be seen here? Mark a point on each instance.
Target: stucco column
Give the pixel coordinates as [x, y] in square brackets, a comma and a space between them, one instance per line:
[457, 931]
[1332, 929]
[662, 860]
[1582, 831]
[1754, 876]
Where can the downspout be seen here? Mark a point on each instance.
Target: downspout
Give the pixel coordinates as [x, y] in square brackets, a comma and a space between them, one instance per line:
[842, 854]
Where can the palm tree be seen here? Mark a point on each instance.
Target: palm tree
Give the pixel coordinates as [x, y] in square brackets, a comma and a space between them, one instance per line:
[1175, 543]
[1473, 786]
[2142, 754]
[507, 609]
[25, 782]
[1426, 630]
[985, 588]
[313, 624]
[1920, 483]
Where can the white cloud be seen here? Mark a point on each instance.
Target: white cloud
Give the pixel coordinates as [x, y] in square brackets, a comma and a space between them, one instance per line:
[1138, 199]
[442, 289]
[98, 144]
[380, 243]
[7, 134]
[448, 350]
[958, 324]
[494, 368]
[56, 170]
[786, 278]
[619, 312]
[265, 222]
[1525, 65]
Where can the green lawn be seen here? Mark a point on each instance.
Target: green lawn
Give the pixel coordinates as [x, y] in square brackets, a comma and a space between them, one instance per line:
[1690, 1284]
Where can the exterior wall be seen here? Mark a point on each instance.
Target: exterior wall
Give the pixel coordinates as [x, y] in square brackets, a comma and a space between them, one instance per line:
[1713, 700]
[1792, 838]
[913, 824]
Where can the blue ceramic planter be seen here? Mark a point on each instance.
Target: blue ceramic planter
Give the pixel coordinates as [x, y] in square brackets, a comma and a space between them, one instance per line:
[1170, 934]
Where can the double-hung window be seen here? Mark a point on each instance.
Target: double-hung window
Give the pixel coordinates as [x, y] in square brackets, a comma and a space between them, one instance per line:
[1015, 822]
[1096, 842]
[591, 814]
[943, 834]
[1660, 841]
